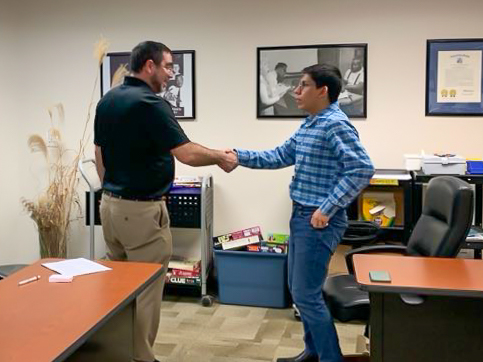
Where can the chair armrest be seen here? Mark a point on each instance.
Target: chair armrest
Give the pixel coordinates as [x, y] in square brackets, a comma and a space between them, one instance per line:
[373, 249]
[360, 232]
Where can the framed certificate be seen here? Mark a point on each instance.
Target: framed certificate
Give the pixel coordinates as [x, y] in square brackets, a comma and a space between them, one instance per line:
[454, 77]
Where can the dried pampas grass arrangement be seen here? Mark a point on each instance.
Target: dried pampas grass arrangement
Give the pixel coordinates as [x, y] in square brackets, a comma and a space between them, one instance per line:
[119, 75]
[51, 210]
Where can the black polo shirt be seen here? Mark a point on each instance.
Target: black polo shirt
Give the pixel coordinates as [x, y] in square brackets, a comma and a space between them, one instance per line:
[136, 129]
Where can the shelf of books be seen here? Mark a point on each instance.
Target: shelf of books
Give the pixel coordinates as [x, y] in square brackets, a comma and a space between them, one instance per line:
[190, 206]
[184, 272]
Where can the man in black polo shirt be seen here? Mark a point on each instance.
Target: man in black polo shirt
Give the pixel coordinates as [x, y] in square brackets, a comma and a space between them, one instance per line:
[136, 136]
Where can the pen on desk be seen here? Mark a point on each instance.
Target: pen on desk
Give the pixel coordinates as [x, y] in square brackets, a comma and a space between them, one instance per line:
[33, 279]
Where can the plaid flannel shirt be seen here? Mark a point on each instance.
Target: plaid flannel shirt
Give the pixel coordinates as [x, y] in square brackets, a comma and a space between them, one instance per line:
[331, 165]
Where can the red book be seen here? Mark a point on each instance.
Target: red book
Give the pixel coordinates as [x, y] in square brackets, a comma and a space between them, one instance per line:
[185, 273]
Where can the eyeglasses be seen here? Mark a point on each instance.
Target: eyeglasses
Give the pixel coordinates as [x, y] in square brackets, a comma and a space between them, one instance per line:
[168, 67]
[303, 84]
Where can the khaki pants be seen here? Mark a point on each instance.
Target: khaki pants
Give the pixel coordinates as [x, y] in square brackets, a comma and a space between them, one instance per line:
[139, 231]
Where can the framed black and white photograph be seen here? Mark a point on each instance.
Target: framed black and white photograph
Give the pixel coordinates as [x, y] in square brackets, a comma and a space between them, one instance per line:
[454, 77]
[180, 90]
[280, 70]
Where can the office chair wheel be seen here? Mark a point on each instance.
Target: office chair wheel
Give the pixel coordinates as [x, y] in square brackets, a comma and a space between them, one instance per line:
[207, 300]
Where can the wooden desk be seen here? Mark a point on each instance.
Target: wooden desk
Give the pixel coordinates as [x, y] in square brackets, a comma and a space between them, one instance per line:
[446, 325]
[90, 319]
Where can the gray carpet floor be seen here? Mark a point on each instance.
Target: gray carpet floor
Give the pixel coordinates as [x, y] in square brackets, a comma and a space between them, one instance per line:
[190, 332]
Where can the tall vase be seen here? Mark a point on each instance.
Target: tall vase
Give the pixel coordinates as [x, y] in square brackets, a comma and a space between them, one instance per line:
[52, 243]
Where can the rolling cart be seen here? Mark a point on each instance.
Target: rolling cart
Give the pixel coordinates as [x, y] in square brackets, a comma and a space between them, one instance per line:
[191, 213]
[192, 208]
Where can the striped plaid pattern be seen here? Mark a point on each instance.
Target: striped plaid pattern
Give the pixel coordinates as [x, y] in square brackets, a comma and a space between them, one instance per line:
[331, 165]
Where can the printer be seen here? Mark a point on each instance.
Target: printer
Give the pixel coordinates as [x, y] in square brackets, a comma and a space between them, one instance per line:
[447, 164]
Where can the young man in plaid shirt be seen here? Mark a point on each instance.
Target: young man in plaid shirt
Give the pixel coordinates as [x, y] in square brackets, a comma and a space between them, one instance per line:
[331, 168]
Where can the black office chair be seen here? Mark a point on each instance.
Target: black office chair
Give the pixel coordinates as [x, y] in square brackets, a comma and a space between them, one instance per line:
[440, 232]
[360, 233]
[6, 270]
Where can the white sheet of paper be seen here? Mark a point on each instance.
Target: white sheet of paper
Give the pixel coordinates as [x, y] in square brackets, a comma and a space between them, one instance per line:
[74, 267]
[396, 176]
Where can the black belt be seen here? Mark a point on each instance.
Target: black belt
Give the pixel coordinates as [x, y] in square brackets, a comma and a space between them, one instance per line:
[134, 198]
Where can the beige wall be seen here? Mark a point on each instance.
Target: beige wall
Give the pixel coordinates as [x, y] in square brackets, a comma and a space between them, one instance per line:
[13, 222]
[46, 58]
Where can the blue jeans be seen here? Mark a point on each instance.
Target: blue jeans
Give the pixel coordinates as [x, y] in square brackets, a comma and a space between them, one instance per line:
[309, 254]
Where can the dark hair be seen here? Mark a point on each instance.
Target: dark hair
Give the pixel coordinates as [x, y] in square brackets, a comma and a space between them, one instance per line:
[326, 75]
[281, 65]
[147, 50]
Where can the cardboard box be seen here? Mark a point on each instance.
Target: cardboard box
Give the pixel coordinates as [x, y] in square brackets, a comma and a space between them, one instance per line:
[238, 239]
[412, 162]
[277, 238]
[379, 207]
[398, 195]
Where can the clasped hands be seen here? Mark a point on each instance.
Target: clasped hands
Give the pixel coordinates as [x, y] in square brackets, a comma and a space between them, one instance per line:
[228, 160]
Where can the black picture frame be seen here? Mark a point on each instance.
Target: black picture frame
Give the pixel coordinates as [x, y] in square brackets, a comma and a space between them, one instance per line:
[271, 78]
[181, 98]
[454, 77]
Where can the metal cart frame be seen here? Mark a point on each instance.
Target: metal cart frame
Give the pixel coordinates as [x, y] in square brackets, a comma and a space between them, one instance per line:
[206, 236]
[206, 230]
[92, 191]
[206, 226]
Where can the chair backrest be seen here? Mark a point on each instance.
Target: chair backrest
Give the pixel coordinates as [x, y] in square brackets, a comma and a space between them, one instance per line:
[445, 220]
[6, 270]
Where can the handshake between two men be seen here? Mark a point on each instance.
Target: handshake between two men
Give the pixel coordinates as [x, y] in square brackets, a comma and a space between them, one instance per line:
[228, 160]
[194, 154]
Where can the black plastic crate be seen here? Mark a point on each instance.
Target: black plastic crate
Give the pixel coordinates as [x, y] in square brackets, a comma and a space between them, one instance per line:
[184, 207]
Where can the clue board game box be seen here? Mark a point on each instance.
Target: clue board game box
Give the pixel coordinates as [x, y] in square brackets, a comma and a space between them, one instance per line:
[238, 239]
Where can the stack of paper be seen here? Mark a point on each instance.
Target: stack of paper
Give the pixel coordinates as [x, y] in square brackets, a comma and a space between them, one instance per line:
[74, 267]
